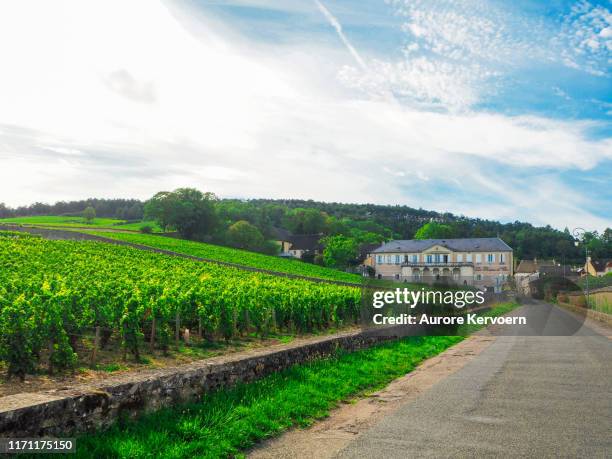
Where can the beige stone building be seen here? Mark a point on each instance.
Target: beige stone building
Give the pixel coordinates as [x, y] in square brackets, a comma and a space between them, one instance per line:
[482, 262]
[597, 268]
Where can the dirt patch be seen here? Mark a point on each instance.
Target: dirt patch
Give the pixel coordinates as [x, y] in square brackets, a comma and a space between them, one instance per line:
[326, 438]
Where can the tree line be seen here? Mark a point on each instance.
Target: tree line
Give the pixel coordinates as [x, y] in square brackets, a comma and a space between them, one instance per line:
[121, 209]
[344, 228]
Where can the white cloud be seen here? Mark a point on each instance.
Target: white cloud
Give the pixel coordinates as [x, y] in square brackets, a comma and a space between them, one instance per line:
[212, 110]
[457, 52]
[463, 48]
[586, 38]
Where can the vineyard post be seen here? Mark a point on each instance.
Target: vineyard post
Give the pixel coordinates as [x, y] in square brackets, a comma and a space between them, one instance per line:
[274, 324]
[96, 345]
[153, 331]
[124, 344]
[50, 363]
[178, 328]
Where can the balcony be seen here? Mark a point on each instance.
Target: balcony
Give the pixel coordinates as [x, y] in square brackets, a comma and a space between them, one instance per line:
[437, 264]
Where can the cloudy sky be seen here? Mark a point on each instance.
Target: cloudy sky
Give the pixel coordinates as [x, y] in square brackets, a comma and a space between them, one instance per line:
[493, 109]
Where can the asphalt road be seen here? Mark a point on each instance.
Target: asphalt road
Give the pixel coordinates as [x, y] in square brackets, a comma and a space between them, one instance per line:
[524, 396]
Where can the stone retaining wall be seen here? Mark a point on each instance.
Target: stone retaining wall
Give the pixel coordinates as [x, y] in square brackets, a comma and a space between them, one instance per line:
[84, 408]
[590, 313]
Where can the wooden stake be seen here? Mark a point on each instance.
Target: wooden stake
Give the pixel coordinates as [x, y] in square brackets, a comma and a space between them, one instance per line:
[96, 345]
[153, 331]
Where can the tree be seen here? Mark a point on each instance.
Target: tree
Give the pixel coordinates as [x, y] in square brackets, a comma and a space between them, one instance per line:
[89, 214]
[434, 230]
[339, 251]
[270, 248]
[5, 212]
[192, 213]
[160, 208]
[305, 221]
[243, 235]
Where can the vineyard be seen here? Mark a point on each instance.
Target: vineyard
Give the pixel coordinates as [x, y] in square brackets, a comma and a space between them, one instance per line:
[54, 293]
[241, 257]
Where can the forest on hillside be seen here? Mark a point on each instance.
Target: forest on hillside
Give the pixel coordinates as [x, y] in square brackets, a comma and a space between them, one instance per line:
[253, 223]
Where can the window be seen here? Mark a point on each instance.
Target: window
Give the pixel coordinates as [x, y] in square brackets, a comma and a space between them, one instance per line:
[459, 257]
[397, 259]
[501, 258]
[379, 259]
[388, 259]
[478, 276]
[437, 258]
[415, 258]
[429, 259]
[468, 257]
[490, 258]
[478, 258]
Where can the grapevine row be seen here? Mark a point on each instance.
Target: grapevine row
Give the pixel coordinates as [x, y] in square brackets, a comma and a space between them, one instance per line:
[54, 291]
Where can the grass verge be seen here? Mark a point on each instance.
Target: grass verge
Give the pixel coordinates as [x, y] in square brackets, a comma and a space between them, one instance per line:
[225, 422]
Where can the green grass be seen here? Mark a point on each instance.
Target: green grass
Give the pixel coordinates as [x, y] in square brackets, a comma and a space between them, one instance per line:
[229, 255]
[136, 226]
[225, 422]
[50, 220]
[111, 367]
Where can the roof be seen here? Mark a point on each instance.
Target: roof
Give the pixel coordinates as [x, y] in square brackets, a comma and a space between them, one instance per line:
[600, 265]
[526, 266]
[281, 234]
[559, 270]
[366, 249]
[478, 244]
[532, 266]
[305, 242]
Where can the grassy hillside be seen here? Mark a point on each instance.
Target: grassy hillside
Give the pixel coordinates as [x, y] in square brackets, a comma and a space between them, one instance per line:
[52, 220]
[78, 222]
[229, 255]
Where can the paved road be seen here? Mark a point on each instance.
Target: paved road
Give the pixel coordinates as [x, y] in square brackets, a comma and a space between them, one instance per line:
[528, 396]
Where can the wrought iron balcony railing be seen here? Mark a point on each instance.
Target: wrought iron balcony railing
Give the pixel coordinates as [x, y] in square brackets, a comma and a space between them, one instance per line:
[437, 264]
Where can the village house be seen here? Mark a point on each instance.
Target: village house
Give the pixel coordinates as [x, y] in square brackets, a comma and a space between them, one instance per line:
[529, 271]
[297, 245]
[597, 267]
[482, 262]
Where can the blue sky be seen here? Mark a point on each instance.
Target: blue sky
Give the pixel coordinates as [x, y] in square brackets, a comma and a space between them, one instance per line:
[490, 109]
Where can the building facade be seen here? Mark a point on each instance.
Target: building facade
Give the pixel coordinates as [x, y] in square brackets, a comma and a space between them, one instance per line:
[481, 262]
[597, 268]
[298, 245]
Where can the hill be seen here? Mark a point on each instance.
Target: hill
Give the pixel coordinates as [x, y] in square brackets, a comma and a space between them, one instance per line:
[235, 256]
[366, 223]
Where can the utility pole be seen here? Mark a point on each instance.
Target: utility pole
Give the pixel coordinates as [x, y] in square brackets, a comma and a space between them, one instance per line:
[579, 233]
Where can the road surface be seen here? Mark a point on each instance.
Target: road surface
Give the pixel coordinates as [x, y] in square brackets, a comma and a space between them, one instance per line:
[528, 396]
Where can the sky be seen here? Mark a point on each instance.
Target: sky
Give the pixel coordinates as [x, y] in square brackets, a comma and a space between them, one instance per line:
[491, 109]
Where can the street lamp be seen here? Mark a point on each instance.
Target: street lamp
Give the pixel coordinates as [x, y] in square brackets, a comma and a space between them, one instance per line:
[579, 234]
